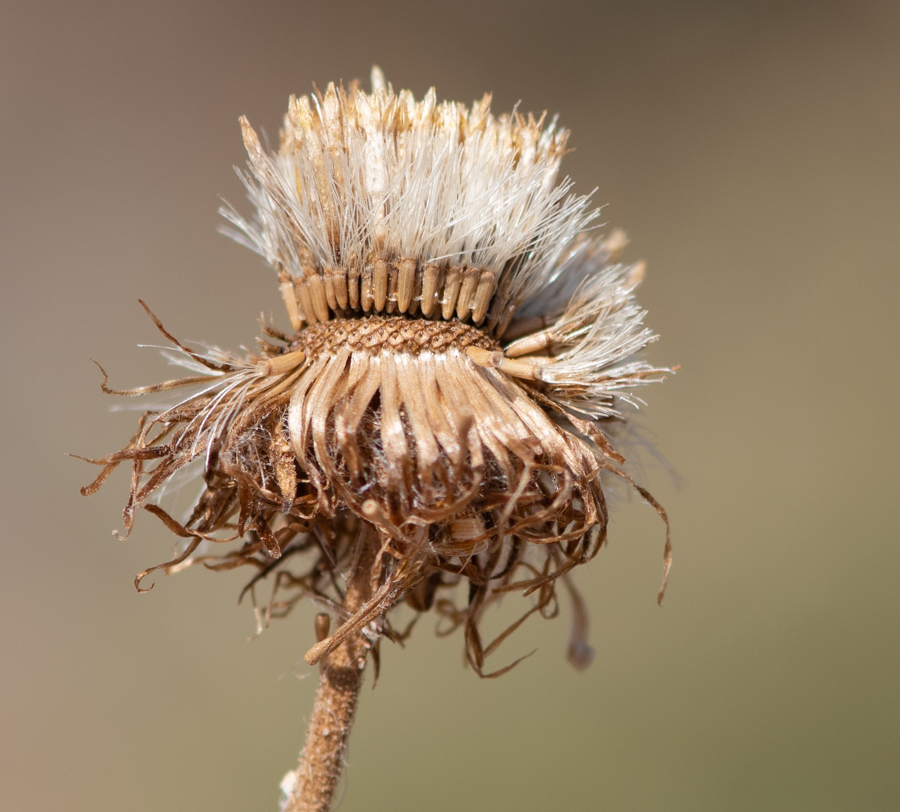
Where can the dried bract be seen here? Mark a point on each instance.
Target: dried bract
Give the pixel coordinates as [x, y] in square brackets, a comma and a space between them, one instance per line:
[461, 351]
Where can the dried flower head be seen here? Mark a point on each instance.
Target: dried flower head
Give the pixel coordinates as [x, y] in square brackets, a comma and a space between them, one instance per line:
[461, 353]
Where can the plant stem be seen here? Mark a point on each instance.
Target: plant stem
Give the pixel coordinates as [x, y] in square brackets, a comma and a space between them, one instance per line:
[340, 681]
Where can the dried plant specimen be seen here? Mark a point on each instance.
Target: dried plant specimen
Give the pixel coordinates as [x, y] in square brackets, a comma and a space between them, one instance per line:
[463, 351]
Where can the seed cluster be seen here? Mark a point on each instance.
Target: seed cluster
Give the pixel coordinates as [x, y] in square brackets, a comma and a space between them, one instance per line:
[436, 430]
[462, 357]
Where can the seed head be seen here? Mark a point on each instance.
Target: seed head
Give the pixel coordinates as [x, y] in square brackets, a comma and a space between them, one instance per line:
[461, 353]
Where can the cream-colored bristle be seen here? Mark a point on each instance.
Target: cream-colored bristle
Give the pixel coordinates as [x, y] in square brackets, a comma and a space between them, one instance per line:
[636, 274]
[379, 85]
[615, 243]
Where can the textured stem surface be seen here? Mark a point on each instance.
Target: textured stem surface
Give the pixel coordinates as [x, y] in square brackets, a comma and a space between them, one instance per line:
[340, 680]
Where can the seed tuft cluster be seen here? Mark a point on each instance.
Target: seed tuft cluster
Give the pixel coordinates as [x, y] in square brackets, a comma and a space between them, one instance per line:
[461, 354]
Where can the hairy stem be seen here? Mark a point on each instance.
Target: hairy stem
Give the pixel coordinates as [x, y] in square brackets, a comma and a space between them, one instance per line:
[340, 680]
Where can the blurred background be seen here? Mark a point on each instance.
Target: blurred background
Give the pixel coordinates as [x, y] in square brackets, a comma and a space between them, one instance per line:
[751, 152]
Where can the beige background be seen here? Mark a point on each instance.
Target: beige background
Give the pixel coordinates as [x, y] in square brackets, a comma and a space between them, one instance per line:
[751, 151]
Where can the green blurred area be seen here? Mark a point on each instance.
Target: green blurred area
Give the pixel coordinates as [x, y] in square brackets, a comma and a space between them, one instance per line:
[751, 152]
